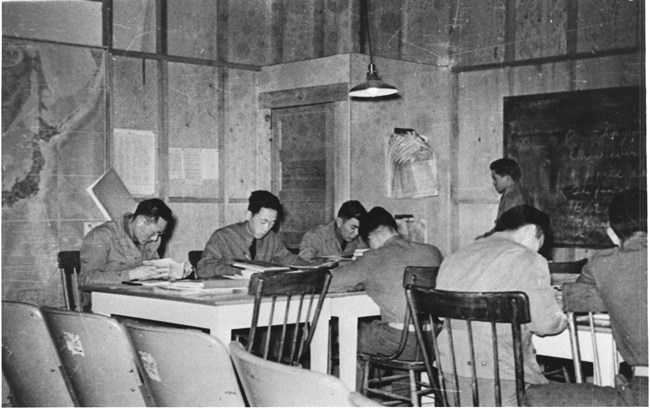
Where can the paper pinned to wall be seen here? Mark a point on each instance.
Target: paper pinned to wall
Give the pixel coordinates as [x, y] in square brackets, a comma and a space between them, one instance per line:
[411, 166]
[193, 165]
[134, 158]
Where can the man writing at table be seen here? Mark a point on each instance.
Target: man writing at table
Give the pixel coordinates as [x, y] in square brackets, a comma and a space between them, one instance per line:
[127, 249]
[336, 238]
[380, 272]
[621, 277]
[507, 260]
[252, 239]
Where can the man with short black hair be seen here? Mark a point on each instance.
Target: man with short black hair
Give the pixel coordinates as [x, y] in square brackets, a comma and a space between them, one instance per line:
[621, 277]
[380, 272]
[123, 250]
[337, 237]
[506, 174]
[507, 260]
[253, 239]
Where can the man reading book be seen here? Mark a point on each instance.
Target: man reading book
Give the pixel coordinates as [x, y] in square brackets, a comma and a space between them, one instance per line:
[127, 249]
[253, 239]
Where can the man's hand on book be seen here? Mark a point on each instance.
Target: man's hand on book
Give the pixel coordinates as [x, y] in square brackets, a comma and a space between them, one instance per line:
[145, 272]
[171, 268]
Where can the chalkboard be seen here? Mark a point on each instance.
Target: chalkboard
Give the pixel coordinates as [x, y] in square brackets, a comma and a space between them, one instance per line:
[576, 150]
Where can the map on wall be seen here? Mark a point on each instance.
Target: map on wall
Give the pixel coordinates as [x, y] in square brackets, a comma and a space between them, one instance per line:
[576, 151]
[52, 131]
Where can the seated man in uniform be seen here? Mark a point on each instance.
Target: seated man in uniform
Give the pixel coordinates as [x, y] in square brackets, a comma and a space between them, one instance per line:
[337, 237]
[117, 251]
[621, 276]
[507, 260]
[252, 239]
[380, 272]
[127, 249]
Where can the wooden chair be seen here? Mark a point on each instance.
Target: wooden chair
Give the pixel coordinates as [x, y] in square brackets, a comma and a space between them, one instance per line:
[297, 325]
[194, 257]
[574, 267]
[271, 384]
[561, 272]
[70, 267]
[30, 363]
[472, 308]
[580, 302]
[185, 367]
[418, 276]
[97, 354]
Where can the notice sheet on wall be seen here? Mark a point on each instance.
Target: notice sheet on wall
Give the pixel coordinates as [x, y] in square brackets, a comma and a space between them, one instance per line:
[193, 165]
[134, 159]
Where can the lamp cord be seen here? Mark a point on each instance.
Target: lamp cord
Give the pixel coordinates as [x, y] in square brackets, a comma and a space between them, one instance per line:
[366, 23]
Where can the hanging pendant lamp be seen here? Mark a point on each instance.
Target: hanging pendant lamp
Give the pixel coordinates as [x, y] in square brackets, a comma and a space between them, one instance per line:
[373, 87]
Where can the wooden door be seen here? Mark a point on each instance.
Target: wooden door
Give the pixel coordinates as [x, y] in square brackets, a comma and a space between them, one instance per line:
[303, 167]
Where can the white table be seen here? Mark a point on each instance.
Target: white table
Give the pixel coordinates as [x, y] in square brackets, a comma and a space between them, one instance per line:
[221, 314]
[349, 307]
[218, 313]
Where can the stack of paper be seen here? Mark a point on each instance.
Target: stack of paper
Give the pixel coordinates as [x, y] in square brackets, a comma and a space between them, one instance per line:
[257, 266]
[207, 284]
[358, 253]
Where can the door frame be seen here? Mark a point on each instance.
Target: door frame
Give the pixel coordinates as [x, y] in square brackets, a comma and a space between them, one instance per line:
[337, 94]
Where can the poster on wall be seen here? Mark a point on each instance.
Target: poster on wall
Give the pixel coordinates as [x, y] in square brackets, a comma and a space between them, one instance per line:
[134, 159]
[411, 166]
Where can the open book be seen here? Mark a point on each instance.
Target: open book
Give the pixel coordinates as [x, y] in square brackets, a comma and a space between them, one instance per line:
[259, 266]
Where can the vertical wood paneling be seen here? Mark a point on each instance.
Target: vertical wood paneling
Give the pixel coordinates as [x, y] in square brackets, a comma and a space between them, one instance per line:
[192, 28]
[250, 35]
[540, 28]
[608, 24]
[135, 87]
[385, 18]
[479, 31]
[425, 31]
[240, 152]
[339, 35]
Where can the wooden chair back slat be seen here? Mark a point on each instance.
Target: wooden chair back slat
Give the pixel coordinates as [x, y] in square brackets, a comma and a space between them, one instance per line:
[298, 322]
[579, 299]
[70, 266]
[509, 308]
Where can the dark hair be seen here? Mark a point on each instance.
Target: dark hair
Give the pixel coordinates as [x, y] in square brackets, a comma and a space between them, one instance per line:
[628, 212]
[351, 209]
[154, 208]
[263, 199]
[508, 167]
[522, 215]
[373, 219]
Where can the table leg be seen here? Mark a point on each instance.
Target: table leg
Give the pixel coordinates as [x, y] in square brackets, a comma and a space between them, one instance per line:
[348, 351]
[319, 345]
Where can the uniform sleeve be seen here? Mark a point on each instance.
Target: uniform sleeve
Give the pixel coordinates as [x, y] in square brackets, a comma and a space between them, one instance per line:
[349, 277]
[546, 316]
[94, 254]
[282, 256]
[216, 260]
[587, 274]
[309, 246]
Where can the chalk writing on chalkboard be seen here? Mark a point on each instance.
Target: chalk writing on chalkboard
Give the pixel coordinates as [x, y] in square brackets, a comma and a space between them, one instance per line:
[576, 150]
